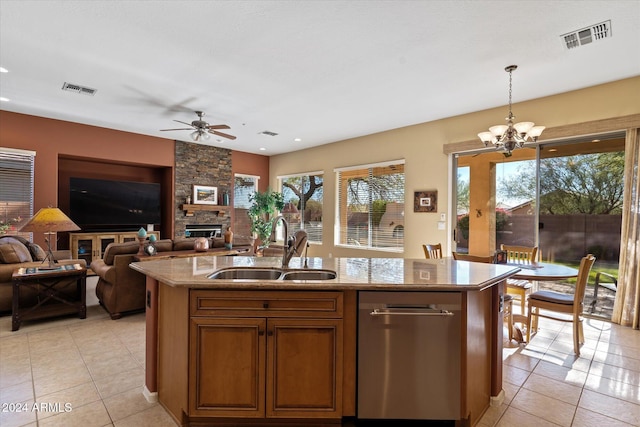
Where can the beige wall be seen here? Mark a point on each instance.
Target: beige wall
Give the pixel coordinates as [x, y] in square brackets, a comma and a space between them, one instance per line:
[427, 168]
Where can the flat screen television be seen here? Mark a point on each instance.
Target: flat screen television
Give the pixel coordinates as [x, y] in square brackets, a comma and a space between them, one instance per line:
[97, 204]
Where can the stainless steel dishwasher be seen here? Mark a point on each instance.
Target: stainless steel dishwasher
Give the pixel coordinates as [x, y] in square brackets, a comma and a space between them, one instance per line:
[409, 355]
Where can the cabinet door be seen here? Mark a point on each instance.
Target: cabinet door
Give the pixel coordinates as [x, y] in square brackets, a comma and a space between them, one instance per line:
[83, 248]
[227, 367]
[304, 368]
[102, 243]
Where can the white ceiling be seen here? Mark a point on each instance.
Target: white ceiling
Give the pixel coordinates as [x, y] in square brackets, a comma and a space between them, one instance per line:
[321, 71]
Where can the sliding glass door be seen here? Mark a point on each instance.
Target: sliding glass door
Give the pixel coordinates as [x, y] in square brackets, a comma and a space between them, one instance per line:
[495, 201]
[564, 197]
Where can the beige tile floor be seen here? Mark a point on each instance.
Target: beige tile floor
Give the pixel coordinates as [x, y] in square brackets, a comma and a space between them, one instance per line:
[95, 366]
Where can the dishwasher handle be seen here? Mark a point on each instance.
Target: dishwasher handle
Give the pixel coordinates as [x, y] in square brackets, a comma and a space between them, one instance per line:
[410, 312]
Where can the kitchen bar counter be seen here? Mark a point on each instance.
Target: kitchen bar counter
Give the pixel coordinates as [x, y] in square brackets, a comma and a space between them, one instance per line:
[352, 273]
[220, 351]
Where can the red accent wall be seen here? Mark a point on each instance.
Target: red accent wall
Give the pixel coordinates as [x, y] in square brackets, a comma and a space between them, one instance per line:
[60, 145]
[251, 164]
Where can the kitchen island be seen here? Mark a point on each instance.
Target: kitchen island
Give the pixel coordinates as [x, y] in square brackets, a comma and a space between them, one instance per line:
[262, 351]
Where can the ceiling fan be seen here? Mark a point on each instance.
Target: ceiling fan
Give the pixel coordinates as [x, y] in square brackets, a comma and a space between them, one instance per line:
[202, 129]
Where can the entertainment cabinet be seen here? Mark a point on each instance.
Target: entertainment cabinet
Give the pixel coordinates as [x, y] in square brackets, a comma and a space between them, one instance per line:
[90, 246]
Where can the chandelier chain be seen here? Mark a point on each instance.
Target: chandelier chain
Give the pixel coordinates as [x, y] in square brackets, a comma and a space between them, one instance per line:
[510, 109]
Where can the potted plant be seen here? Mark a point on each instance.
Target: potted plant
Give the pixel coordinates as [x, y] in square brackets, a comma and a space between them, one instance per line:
[264, 206]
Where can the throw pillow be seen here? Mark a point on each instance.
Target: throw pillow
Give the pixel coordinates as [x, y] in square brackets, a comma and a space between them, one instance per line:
[12, 251]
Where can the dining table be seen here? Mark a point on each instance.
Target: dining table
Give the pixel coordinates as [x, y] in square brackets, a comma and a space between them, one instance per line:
[542, 272]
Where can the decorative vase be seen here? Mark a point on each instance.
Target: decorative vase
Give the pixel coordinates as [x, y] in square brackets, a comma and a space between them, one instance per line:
[141, 240]
[228, 238]
[201, 244]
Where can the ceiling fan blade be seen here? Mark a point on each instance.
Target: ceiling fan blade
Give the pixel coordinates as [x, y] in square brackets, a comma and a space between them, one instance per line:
[224, 135]
[218, 127]
[184, 123]
[162, 130]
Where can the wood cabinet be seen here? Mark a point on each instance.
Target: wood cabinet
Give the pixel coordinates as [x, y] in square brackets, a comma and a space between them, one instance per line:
[265, 354]
[90, 246]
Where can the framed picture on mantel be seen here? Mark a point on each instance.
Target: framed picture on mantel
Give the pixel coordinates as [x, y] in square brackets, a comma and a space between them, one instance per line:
[203, 195]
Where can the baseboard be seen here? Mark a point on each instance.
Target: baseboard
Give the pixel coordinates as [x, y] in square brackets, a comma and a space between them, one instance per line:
[152, 397]
[497, 400]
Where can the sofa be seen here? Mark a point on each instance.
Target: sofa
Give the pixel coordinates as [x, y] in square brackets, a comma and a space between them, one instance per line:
[17, 252]
[121, 290]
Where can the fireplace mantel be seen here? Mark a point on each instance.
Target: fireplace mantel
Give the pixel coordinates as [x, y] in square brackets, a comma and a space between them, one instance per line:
[189, 210]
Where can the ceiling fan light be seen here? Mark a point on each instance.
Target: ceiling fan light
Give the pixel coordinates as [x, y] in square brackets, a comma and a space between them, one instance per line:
[195, 135]
[205, 135]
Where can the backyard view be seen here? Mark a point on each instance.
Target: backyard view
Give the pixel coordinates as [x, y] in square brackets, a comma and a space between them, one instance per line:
[578, 211]
[371, 207]
[303, 196]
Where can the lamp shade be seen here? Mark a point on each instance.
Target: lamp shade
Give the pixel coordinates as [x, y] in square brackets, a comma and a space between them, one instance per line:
[48, 220]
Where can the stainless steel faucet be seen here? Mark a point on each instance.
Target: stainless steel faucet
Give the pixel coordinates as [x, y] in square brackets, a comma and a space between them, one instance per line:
[290, 241]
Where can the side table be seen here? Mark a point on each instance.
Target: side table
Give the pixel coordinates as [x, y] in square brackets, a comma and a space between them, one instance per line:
[54, 290]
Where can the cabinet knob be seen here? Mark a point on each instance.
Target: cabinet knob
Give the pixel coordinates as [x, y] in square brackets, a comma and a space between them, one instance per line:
[265, 305]
[260, 332]
[269, 333]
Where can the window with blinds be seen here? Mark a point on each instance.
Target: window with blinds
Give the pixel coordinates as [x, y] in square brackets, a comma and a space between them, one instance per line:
[371, 206]
[303, 198]
[16, 190]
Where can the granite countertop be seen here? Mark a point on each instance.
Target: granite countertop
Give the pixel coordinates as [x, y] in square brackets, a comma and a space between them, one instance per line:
[352, 273]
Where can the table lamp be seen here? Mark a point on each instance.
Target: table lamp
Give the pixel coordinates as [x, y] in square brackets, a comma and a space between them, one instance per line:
[48, 221]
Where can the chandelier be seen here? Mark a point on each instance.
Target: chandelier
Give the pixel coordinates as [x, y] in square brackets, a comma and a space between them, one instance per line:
[511, 136]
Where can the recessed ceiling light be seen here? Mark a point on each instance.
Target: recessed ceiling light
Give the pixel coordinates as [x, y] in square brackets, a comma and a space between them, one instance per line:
[3, 99]
[262, 149]
[298, 139]
[553, 150]
[3, 70]
[595, 140]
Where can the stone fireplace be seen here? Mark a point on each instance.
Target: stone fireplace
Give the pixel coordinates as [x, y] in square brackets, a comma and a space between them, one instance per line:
[198, 164]
[203, 230]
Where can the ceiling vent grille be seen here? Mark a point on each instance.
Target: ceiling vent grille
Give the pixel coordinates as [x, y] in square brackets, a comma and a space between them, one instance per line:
[268, 133]
[79, 89]
[587, 35]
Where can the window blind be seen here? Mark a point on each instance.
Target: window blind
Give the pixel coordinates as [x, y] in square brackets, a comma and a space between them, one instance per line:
[371, 206]
[16, 190]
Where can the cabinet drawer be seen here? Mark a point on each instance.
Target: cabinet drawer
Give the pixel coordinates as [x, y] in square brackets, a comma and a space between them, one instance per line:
[266, 303]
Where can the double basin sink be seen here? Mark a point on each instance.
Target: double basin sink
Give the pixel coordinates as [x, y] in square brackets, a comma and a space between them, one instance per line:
[254, 273]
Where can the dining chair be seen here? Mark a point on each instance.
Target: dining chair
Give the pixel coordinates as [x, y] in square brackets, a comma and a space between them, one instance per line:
[507, 304]
[559, 302]
[520, 254]
[472, 258]
[432, 251]
[611, 284]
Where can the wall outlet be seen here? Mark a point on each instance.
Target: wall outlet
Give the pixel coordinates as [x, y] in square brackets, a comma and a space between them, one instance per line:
[441, 225]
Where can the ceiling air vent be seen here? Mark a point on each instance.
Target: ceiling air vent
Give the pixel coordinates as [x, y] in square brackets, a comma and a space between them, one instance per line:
[79, 89]
[267, 132]
[587, 35]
